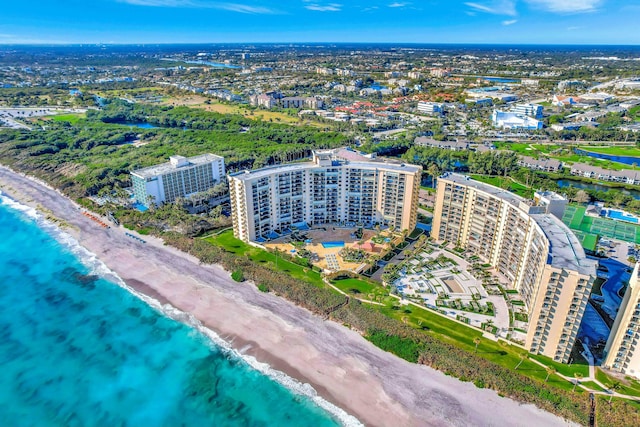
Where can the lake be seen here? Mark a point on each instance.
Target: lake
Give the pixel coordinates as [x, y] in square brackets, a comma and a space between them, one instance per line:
[498, 79]
[599, 187]
[210, 64]
[143, 125]
[627, 160]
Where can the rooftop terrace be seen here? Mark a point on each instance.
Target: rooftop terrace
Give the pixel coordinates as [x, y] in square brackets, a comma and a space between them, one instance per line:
[176, 163]
[565, 249]
[293, 167]
[505, 195]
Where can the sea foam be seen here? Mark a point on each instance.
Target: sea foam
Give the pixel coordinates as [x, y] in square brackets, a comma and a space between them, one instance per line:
[98, 268]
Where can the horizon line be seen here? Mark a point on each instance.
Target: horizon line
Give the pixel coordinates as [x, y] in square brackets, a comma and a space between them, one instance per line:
[2, 44]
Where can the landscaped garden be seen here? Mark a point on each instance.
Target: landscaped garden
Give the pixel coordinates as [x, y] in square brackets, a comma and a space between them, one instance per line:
[278, 261]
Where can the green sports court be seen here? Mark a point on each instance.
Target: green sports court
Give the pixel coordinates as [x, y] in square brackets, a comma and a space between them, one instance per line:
[588, 228]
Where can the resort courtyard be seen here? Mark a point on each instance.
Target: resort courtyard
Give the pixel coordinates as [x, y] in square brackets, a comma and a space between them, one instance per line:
[443, 281]
[334, 248]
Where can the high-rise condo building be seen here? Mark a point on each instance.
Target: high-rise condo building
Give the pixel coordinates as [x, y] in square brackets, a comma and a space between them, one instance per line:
[622, 352]
[528, 245]
[180, 177]
[330, 189]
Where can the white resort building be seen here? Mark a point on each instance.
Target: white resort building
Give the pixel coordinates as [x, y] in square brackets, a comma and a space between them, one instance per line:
[180, 177]
[505, 120]
[331, 189]
[528, 245]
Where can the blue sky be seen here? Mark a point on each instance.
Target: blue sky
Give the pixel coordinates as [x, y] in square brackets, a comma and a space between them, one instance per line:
[419, 21]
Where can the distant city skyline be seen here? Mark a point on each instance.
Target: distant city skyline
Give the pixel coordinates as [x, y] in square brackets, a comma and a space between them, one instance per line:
[394, 21]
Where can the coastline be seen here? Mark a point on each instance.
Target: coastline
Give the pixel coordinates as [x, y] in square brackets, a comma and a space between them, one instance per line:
[345, 369]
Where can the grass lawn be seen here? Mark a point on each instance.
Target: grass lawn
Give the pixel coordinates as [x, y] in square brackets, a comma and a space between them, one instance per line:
[566, 154]
[592, 385]
[71, 118]
[615, 151]
[439, 327]
[518, 147]
[238, 247]
[628, 386]
[360, 287]
[502, 353]
[578, 366]
[264, 115]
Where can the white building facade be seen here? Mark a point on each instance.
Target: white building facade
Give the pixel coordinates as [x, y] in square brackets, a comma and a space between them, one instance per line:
[180, 177]
[505, 120]
[329, 190]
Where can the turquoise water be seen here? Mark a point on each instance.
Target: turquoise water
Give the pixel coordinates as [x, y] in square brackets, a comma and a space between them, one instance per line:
[336, 244]
[78, 350]
[621, 216]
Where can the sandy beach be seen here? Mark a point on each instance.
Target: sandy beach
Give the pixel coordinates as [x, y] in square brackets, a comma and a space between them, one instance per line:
[378, 388]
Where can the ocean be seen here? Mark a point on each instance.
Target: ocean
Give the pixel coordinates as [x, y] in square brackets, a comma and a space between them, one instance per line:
[77, 349]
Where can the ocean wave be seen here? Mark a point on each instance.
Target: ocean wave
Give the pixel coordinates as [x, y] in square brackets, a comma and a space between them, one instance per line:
[97, 267]
[297, 387]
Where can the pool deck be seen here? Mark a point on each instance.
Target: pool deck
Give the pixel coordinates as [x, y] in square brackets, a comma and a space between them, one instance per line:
[329, 234]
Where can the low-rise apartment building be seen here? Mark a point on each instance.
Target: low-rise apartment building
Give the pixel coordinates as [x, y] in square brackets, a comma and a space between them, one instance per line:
[528, 245]
[447, 145]
[543, 164]
[328, 190]
[622, 353]
[625, 175]
[180, 177]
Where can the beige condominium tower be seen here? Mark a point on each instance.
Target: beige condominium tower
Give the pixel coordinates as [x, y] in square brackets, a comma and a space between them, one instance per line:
[622, 353]
[337, 187]
[528, 245]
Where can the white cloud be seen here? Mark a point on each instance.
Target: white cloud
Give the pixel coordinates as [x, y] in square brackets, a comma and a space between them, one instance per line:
[331, 7]
[232, 7]
[509, 22]
[566, 6]
[398, 4]
[496, 7]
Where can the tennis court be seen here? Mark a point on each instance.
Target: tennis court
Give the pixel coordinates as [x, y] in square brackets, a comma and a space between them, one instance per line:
[575, 218]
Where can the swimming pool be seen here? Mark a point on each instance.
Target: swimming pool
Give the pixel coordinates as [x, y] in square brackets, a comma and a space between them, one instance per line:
[621, 216]
[139, 206]
[335, 244]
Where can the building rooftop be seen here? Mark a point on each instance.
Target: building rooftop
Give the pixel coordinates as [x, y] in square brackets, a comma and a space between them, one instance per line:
[505, 195]
[565, 250]
[293, 167]
[550, 195]
[176, 163]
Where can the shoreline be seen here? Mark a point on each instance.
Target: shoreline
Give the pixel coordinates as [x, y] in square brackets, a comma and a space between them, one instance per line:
[346, 370]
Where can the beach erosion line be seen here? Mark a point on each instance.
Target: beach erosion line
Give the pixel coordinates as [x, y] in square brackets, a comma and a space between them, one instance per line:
[98, 268]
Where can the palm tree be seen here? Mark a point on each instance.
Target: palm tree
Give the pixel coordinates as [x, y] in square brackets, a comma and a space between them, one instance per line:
[550, 371]
[434, 171]
[521, 356]
[476, 341]
[616, 385]
[578, 376]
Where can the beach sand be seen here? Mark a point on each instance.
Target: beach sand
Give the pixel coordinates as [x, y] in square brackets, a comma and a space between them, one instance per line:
[377, 387]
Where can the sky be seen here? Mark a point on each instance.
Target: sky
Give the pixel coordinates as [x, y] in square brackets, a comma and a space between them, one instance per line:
[393, 21]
